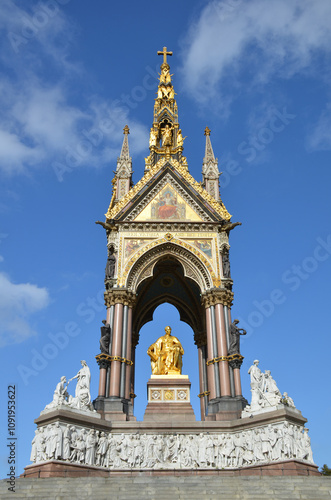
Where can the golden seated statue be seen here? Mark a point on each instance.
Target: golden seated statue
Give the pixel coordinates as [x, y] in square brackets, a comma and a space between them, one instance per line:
[166, 355]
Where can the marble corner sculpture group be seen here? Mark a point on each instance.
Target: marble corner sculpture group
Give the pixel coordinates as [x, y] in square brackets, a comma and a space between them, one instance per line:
[168, 241]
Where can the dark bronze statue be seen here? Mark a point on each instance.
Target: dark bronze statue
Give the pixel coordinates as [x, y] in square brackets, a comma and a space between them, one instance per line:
[105, 337]
[235, 333]
[110, 266]
[226, 263]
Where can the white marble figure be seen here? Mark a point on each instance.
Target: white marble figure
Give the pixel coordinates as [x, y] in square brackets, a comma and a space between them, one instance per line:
[81, 449]
[287, 400]
[90, 447]
[101, 449]
[66, 443]
[60, 396]
[48, 442]
[258, 445]
[256, 385]
[306, 448]
[33, 456]
[265, 393]
[270, 390]
[82, 399]
[38, 446]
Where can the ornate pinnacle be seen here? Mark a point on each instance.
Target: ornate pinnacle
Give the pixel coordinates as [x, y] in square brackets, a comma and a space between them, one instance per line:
[126, 130]
[207, 131]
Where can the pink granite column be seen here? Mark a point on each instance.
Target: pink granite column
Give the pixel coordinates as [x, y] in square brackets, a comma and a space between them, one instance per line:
[102, 381]
[222, 351]
[237, 381]
[133, 357]
[115, 369]
[210, 354]
[202, 384]
[128, 355]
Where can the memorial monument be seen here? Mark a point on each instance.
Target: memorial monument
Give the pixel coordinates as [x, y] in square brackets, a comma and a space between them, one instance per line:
[168, 241]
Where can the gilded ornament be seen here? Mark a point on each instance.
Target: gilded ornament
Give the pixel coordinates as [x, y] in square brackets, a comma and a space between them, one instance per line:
[165, 53]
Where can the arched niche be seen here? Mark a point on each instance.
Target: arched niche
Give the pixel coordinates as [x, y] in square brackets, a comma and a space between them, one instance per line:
[168, 283]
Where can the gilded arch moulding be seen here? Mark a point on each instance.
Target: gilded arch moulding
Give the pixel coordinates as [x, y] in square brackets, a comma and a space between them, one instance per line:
[195, 266]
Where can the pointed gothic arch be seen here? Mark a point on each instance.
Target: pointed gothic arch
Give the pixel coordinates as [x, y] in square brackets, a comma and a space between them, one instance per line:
[194, 266]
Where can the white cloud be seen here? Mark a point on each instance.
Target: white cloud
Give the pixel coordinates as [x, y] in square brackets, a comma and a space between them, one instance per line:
[17, 303]
[43, 121]
[320, 137]
[14, 153]
[261, 38]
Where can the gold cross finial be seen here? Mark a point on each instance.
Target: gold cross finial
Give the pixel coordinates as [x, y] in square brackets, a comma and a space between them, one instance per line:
[164, 53]
[207, 131]
[126, 130]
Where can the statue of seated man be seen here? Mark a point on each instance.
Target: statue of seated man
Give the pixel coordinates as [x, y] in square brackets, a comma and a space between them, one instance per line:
[60, 396]
[166, 355]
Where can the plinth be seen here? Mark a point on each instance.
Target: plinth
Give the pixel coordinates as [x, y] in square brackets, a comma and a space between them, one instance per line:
[169, 399]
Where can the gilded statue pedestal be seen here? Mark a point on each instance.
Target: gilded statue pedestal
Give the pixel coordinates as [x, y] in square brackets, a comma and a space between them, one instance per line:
[169, 399]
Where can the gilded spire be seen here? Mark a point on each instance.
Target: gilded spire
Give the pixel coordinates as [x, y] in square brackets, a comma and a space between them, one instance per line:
[166, 139]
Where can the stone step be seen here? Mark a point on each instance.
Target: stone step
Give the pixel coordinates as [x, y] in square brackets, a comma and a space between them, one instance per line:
[177, 488]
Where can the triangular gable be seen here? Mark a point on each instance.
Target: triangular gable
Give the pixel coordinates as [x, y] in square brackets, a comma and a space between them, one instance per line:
[168, 205]
[140, 195]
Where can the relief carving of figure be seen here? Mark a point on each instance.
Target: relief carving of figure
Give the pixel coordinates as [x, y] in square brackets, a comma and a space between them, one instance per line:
[90, 447]
[266, 444]
[66, 443]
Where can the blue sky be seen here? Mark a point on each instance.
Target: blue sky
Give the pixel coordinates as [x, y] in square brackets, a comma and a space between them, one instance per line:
[258, 74]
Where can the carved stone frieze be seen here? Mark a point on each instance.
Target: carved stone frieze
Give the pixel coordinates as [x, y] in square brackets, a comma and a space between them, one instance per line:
[190, 227]
[257, 445]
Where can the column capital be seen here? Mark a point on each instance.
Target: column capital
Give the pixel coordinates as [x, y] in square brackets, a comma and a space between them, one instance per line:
[119, 296]
[200, 339]
[103, 360]
[217, 296]
[235, 360]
